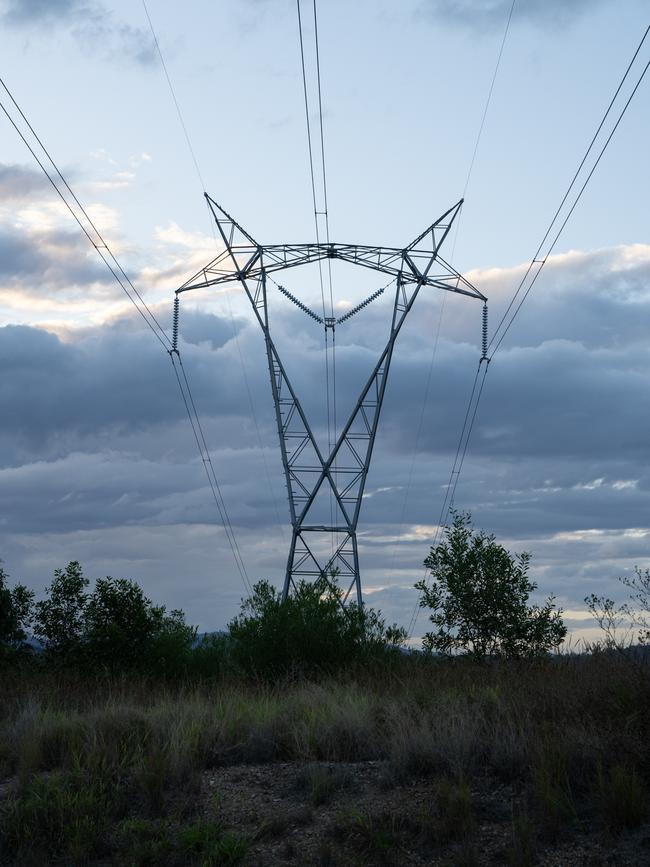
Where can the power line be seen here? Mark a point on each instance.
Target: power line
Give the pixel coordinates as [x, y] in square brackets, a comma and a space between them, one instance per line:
[173, 93]
[535, 259]
[327, 230]
[473, 404]
[143, 310]
[444, 298]
[312, 175]
[489, 96]
[206, 459]
[543, 261]
[99, 243]
[199, 175]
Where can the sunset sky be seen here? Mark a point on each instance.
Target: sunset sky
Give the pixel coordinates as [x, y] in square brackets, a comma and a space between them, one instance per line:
[97, 459]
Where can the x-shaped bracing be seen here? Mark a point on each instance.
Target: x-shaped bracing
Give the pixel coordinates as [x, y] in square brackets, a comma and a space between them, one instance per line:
[340, 476]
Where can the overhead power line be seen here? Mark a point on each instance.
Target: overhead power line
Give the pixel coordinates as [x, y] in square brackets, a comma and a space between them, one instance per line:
[90, 230]
[508, 318]
[506, 323]
[434, 351]
[235, 336]
[80, 214]
[199, 436]
[173, 94]
[330, 387]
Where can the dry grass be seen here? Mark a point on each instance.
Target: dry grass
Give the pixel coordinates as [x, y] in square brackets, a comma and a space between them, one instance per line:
[571, 733]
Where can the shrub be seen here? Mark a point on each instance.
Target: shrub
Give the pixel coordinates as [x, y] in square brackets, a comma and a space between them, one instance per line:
[311, 632]
[116, 627]
[60, 817]
[15, 615]
[59, 620]
[124, 629]
[479, 598]
[618, 622]
[622, 798]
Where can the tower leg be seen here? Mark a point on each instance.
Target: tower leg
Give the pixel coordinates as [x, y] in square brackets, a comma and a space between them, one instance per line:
[288, 575]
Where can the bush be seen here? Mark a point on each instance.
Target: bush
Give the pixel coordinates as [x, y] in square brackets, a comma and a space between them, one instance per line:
[311, 632]
[116, 627]
[59, 620]
[479, 598]
[15, 615]
[124, 629]
[618, 622]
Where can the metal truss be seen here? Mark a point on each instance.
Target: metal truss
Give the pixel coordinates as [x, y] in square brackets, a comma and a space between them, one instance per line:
[337, 478]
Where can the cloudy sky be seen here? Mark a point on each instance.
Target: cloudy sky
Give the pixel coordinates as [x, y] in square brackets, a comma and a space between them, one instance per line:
[97, 460]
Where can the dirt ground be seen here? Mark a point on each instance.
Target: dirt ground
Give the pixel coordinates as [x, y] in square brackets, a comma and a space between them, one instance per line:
[353, 814]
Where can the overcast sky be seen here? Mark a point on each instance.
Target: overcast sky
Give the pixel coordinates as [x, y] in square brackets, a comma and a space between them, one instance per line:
[97, 459]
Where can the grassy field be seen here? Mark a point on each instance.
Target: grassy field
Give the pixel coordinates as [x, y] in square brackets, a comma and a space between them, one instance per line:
[427, 762]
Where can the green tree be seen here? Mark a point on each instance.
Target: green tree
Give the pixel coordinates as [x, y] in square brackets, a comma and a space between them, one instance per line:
[478, 598]
[122, 628]
[59, 619]
[311, 632]
[15, 614]
[115, 626]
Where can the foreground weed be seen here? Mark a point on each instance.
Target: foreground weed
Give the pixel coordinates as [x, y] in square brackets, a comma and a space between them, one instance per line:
[59, 816]
[552, 790]
[456, 817]
[523, 846]
[322, 783]
[143, 843]
[622, 798]
[378, 837]
[449, 818]
[278, 824]
[207, 844]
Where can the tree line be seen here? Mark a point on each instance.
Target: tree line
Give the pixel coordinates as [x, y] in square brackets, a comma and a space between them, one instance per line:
[477, 596]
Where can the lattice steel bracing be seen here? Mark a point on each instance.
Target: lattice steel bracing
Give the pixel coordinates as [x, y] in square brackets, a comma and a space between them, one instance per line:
[339, 476]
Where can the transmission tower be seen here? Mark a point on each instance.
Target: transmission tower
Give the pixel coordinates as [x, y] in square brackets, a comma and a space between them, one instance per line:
[310, 474]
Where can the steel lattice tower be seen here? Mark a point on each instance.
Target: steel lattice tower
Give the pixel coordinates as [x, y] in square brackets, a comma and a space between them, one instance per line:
[342, 473]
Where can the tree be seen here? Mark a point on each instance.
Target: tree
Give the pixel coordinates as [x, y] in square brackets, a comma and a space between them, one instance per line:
[638, 608]
[15, 614]
[116, 626]
[124, 629]
[59, 619]
[311, 632]
[478, 598]
[618, 622]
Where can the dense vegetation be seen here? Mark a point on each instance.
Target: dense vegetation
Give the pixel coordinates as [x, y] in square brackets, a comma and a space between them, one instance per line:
[119, 736]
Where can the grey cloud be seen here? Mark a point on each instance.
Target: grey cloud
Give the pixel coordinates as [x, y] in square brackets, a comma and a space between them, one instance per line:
[94, 27]
[105, 382]
[19, 182]
[207, 328]
[489, 14]
[42, 261]
[24, 12]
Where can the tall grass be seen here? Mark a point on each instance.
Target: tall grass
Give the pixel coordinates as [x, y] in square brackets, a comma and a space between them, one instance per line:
[573, 731]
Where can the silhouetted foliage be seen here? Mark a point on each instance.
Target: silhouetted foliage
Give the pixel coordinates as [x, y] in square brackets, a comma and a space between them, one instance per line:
[619, 622]
[15, 615]
[122, 628]
[311, 632]
[59, 619]
[478, 598]
[114, 627]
